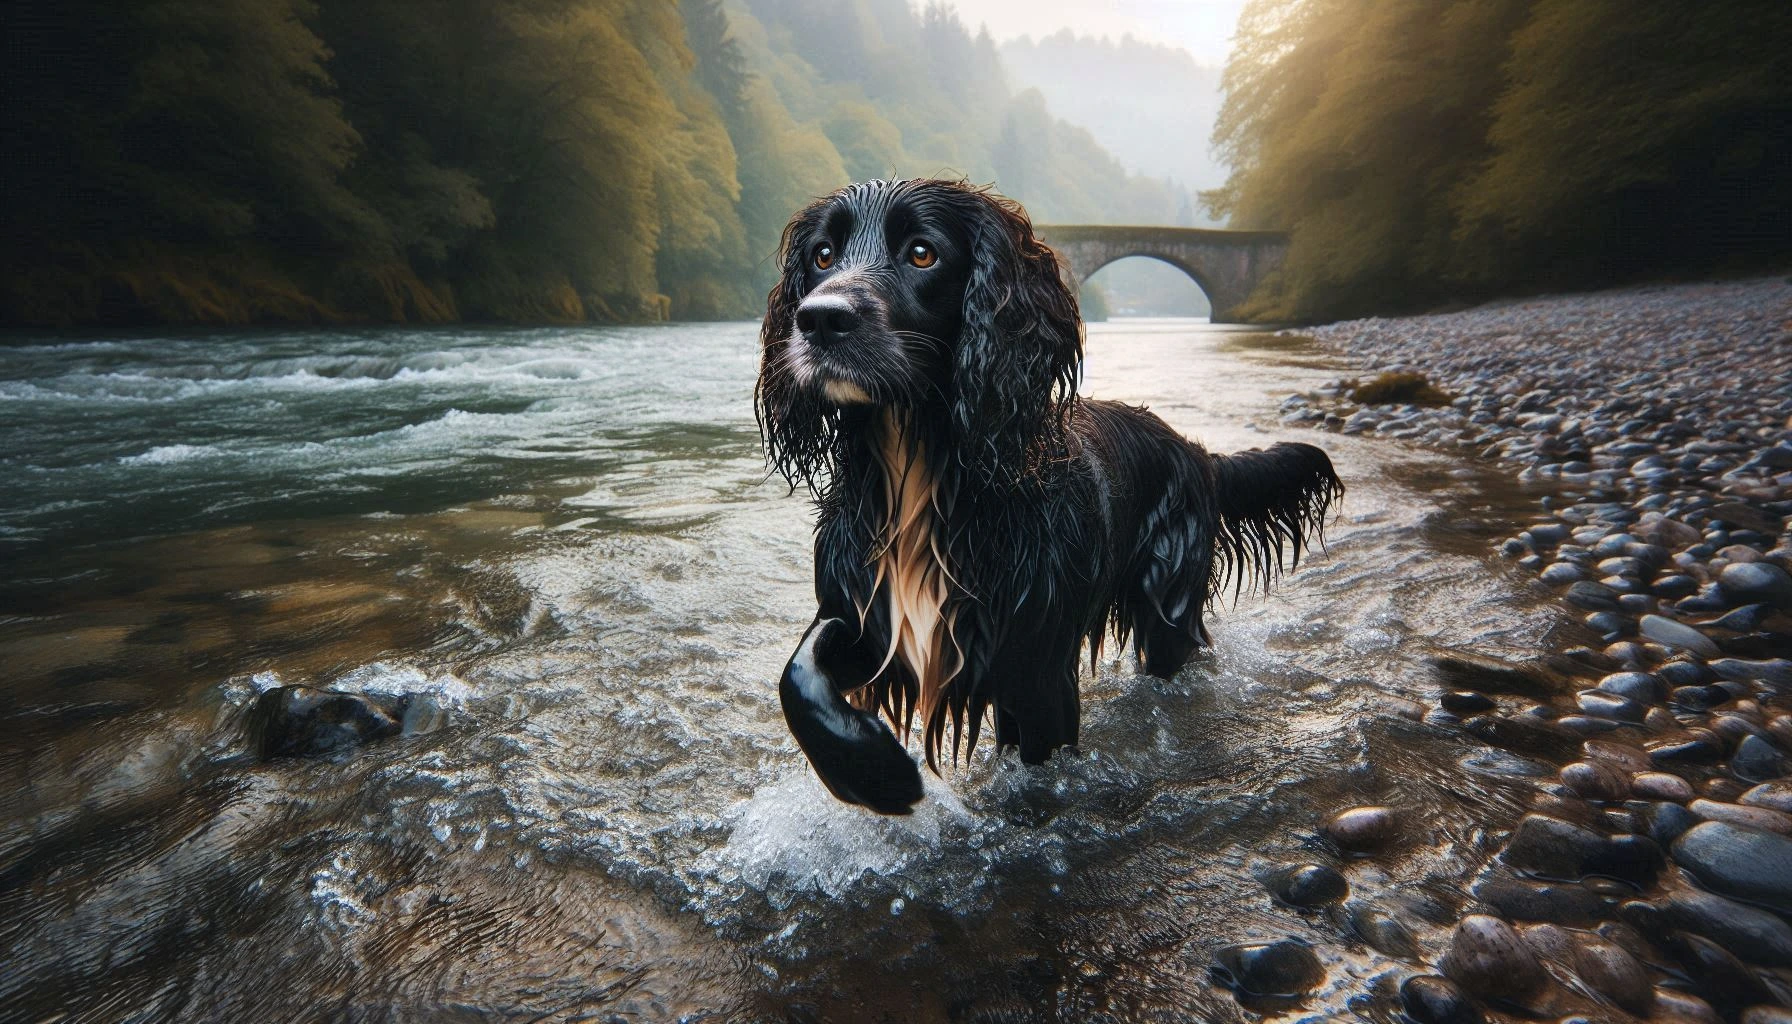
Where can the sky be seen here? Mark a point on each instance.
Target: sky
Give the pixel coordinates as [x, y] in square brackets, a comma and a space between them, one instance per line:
[1202, 27]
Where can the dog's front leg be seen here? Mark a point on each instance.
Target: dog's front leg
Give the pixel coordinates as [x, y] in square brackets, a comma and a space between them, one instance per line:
[854, 752]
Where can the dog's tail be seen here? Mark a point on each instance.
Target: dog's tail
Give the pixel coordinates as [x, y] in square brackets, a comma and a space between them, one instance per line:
[1272, 504]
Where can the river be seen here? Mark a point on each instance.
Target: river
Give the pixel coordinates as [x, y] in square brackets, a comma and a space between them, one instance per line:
[564, 540]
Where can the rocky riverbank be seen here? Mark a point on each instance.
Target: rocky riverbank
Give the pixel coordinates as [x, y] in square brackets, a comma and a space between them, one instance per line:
[1654, 873]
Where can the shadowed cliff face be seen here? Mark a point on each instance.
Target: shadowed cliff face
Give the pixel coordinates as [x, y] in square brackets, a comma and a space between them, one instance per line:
[551, 557]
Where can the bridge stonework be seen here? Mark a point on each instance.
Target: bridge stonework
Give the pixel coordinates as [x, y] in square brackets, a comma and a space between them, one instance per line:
[1228, 265]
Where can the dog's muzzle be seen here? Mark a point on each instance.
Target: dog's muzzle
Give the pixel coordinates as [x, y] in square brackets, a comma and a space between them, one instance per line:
[828, 322]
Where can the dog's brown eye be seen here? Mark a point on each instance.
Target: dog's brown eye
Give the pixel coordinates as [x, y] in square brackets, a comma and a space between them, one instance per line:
[922, 255]
[824, 256]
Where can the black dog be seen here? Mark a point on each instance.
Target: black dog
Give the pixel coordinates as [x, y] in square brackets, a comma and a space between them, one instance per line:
[978, 521]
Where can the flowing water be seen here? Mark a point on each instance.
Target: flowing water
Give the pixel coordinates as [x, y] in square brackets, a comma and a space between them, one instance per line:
[563, 541]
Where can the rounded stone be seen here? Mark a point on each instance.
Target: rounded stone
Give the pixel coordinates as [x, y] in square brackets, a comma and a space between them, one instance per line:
[1611, 971]
[1642, 687]
[1773, 795]
[1671, 1004]
[1364, 829]
[1745, 863]
[1549, 941]
[1596, 781]
[1308, 885]
[1466, 702]
[1488, 958]
[1757, 760]
[1383, 932]
[1662, 786]
[1666, 631]
[1285, 968]
[1429, 999]
[1561, 572]
[1763, 818]
[1752, 582]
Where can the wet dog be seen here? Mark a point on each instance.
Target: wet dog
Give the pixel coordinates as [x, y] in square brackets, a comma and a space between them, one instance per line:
[978, 521]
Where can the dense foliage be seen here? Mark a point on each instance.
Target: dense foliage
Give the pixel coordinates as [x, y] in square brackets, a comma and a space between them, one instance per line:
[231, 161]
[1424, 151]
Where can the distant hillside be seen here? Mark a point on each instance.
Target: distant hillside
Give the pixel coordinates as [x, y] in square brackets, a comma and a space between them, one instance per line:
[1151, 106]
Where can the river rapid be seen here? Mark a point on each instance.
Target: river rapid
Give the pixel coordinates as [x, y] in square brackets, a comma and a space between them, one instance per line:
[561, 543]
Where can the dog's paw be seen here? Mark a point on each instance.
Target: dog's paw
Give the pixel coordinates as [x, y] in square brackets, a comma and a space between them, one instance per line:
[856, 755]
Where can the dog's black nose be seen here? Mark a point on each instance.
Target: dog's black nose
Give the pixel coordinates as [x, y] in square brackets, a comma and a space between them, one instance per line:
[826, 319]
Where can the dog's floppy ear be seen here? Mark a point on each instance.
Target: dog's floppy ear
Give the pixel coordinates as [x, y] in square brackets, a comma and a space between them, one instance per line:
[798, 429]
[1020, 350]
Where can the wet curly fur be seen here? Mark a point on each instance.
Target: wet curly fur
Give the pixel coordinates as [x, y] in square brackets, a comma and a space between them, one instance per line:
[978, 521]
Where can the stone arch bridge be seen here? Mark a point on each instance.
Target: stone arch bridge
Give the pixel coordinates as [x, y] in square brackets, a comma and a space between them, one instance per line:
[1226, 264]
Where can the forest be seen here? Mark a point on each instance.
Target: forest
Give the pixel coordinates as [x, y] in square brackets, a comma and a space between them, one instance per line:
[314, 161]
[1430, 152]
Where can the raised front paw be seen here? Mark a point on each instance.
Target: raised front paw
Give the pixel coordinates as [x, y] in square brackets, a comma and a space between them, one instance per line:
[856, 755]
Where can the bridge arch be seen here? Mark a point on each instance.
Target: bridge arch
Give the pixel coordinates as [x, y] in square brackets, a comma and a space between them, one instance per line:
[1227, 265]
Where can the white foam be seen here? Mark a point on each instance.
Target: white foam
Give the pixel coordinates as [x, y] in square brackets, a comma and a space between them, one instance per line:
[170, 453]
[792, 833]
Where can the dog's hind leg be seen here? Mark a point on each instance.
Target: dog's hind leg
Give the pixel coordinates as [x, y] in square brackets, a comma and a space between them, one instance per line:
[852, 750]
[1174, 573]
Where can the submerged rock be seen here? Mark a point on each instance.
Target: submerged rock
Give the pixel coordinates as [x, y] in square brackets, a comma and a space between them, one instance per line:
[1308, 885]
[1383, 932]
[1611, 971]
[1364, 829]
[1429, 999]
[299, 721]
[1286, 968]
[1745, 863]
[1488, 958]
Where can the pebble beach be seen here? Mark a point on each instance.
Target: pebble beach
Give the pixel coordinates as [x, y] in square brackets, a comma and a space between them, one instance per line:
[1654, 427]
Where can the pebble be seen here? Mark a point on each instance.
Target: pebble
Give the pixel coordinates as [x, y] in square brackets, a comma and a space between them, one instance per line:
[1488, 958]
[1594, 597]
[1723, 980]
[1555, 902]
[1749, 932]
[1691, 750]
[1757, 760]
[1383, 932]
[1774, 795]
[1745, 863]
[1364, 829]
[1466, 702]
[1596, 781]
[1429, 999]
[1677, 634]
[1752, 582]
[1748, 817]
[1611, 971]
[1553, 848]
[1777, 670]
[1605, 705]
[1308, 885]
[1740, 620]
[1549, 942]
[1661, 786]
[1642, 687]
[1561, 572]
[1673, 1006]
[1683, 673]
[1286, 968]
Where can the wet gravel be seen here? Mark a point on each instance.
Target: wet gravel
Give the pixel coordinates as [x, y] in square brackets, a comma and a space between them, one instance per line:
[1654, 427]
